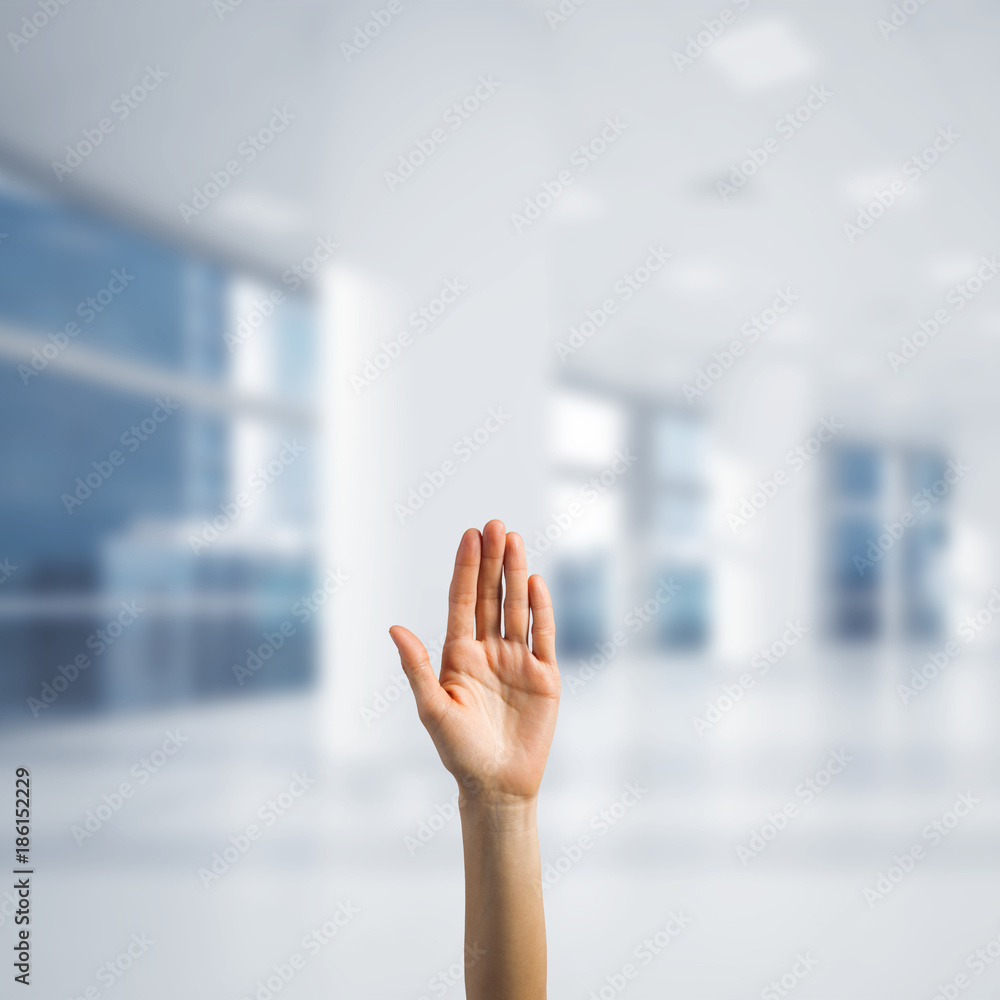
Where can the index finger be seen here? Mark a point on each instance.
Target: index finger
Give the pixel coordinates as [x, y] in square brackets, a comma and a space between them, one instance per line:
[464, 581]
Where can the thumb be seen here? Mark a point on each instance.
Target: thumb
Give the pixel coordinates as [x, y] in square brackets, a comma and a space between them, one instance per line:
[431, 698]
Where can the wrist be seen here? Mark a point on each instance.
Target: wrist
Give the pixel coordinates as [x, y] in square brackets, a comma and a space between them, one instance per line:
[500, 810]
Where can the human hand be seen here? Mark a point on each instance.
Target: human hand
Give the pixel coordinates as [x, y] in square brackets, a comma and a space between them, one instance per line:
[492, 713]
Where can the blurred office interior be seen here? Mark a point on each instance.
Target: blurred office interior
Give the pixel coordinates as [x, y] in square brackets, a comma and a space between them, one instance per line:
[814, 511]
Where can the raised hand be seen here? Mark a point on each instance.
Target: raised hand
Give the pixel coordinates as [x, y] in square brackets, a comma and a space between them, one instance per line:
[492, 714]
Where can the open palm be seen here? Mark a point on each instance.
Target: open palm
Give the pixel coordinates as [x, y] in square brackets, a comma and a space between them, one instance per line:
[492, 713]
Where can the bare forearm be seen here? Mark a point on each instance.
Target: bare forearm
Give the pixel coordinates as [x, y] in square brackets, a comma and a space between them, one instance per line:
[492, 715]
[504, 919]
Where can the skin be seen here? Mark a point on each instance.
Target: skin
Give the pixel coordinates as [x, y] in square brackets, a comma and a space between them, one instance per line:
[492, 715]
